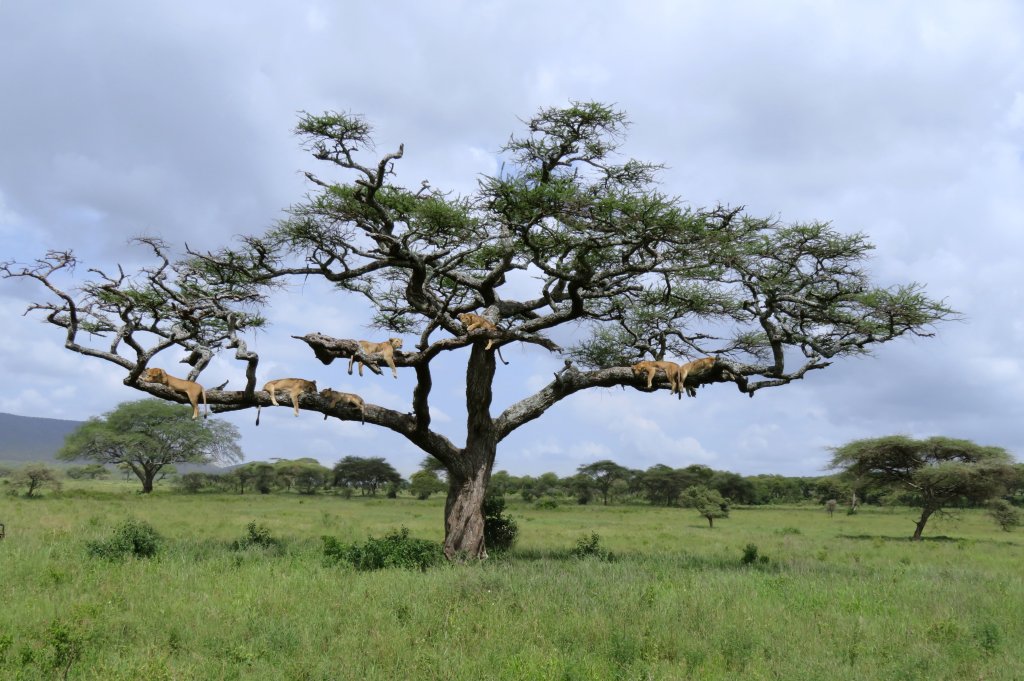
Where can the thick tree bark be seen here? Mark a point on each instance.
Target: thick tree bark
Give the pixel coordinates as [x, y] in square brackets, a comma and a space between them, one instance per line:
[470, 472]
[464, 516]
[919, 527]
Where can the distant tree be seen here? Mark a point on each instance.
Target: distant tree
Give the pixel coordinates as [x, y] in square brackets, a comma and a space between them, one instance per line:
[169, 470]
[425, 483]
[147, 435]
[733, 487]
[365, 474]
[776, 489]
[548, 484]
[258, 475]
[193, 482]
[264, 476]
[581, 486]
[604, 473]
[502, 483]
[930, 474]
[528, 488]
[125, 470]
[33, 477]
[431, 464]
[695, 474]
[287, 470]
[1014, 488]
[309, 478]
[92, 471]
[707, 502]
[662, 484]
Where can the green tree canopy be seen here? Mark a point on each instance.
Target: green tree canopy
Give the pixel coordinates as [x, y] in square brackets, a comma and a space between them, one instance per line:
[260, 475]
[707, 502]
[599, 254]
[663, 484]
[147, 435]
[367, 474]
[423, 483]
[930, 474]
[33, 477]
[604, 473]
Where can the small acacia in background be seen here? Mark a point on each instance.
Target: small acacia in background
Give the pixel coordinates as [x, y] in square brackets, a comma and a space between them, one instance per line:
[34, 477]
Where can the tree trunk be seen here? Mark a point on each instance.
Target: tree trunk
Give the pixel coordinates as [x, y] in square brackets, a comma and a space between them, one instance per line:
[147, 482]
[464, 516]
[919, 528]
[470, 472]
[711, 522]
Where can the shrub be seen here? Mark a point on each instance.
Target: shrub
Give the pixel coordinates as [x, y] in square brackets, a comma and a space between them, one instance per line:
[66, 643]
[193, 482]
[547, 504]
[132, 537]
[256, 535]
[395, 550]
[1004, 514]
[590, 547]
[500, 531]
[750, 555]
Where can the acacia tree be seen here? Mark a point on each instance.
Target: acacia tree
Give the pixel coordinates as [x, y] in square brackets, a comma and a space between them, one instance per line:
[366, 474]
[423, 483]
[35, 476]
[708, 503]
[146, 436]
[604, 473]
[631, 272]
[930, 474]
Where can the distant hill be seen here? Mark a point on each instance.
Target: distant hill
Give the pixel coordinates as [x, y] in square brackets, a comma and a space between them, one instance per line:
[30, 439]
[27, 438]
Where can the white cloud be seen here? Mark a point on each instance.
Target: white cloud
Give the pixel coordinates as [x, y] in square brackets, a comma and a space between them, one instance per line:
[901, 120]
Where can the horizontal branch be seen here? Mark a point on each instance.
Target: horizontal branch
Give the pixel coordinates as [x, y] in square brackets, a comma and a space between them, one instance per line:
[235, 400]
[570, 380]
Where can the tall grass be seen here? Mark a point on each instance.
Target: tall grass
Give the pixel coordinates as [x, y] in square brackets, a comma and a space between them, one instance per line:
[846, 597]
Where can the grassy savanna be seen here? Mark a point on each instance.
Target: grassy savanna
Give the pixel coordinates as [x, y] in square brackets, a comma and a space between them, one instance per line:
[846, 597]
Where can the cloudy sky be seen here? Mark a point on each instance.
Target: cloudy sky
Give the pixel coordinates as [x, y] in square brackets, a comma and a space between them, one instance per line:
[901, 120]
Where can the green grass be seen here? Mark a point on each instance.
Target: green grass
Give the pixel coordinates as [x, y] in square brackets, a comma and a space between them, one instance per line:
[846, 597]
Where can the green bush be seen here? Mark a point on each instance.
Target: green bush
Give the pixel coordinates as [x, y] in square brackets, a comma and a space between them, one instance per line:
[500, 531]
[132, 537]
[256, 535]
[395, 550]
[547, 504]
[590, 547]
[1004, 513]
[750, 555]
[65, 643]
